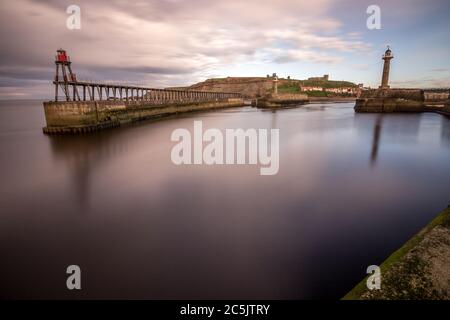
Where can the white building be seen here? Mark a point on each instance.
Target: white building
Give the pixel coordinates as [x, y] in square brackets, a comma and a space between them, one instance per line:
[311, 88]
[342, 90]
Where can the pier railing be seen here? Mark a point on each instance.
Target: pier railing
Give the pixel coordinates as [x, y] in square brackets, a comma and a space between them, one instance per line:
[91, 91]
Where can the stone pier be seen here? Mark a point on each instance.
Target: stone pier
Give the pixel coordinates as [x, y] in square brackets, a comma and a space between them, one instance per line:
[279, 100]
[71, 117]
[385, 99]
[391, 100]
[403, 100]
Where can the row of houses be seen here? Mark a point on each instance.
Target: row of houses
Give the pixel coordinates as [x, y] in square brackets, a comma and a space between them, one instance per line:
[340, 90]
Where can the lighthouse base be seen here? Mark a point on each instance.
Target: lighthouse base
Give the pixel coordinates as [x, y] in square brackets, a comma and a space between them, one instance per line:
[391, 100]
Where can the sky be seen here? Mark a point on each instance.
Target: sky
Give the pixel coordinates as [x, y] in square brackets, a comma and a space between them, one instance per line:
[180, 42]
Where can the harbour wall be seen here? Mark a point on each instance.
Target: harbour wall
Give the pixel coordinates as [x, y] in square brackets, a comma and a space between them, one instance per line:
[68, 117]
[277, 100]
[402, 100]
[417, 270]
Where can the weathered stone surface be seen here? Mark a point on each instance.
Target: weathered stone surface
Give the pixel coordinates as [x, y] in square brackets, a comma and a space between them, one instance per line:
[281, 100]
[403, 105]
[87, 116]
[80, 112]
[408, 94]
[391, 100]
[417, 270]
[369, 105]
[388, 105]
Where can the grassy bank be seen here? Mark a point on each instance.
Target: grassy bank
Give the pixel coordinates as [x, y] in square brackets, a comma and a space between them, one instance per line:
[420, 269]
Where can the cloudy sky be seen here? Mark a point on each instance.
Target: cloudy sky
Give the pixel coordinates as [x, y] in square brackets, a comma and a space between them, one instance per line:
[164, 43]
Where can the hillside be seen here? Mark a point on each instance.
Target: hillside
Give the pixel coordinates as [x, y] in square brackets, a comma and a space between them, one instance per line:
[260, 86]
[328, 84]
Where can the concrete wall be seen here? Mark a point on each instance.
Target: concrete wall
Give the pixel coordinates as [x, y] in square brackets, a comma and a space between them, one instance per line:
[388, 105]
[68, 117]
[289, 96]
[391, 100]
[80, 112]
[282, 99]
[409, 94]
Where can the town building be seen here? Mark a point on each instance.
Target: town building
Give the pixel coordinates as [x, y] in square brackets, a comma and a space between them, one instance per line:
[311, 88]
[342, 90]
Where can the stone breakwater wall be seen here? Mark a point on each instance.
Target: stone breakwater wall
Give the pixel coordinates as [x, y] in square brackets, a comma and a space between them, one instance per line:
[388, 105]
[403, 100]
[418, 270]
[391, 100]
[282, 100]
[408, 94]
[87, 116]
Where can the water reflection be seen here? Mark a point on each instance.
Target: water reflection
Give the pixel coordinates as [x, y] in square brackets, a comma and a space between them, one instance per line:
[391, 129]
[83, 155]
[376, 139]
[274, 121]
[403, 128]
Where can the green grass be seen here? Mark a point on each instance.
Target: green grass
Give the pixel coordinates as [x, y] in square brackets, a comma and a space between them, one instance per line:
[317, 93]
[442, 218]
[327, 84]
[289, 88]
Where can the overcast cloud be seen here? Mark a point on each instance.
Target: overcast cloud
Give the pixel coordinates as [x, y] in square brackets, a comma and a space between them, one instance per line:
[179, 42]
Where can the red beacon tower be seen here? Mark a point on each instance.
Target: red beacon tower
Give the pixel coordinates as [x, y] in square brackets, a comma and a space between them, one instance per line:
[66, 78]
[61, 56]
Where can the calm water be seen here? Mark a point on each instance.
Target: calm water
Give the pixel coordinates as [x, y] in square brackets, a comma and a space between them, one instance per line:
[351, 189]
